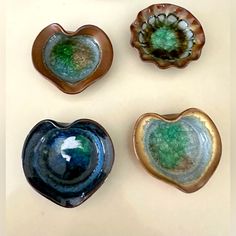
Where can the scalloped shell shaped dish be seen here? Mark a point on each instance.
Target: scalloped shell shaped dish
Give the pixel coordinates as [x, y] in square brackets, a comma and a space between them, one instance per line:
[167, 35]
[72, 60]
[181, 149]
[67, 163]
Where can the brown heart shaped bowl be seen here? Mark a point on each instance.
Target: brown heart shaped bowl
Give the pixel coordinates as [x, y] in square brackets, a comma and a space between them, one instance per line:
[167, 35]
[72, 60]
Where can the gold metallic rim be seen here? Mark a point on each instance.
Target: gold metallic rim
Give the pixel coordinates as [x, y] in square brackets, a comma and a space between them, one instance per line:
[142, 156]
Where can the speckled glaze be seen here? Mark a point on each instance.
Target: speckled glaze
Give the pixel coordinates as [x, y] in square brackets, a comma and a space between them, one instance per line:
[67, 163]
[72, 60]
[183, 150]
[167, 35]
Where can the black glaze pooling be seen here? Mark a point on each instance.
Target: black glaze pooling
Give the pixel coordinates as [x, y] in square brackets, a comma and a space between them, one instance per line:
[67, 163]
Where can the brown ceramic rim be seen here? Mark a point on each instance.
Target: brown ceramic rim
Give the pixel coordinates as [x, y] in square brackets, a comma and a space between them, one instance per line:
[99, 36]
[182, 14]
[216, 152]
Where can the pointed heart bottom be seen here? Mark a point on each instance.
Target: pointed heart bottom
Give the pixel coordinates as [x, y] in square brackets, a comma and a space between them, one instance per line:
[183, 150]
[67, 164]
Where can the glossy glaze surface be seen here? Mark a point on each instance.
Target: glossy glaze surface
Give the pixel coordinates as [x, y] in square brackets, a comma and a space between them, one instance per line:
[179, 150]
[183, 149]
[71, 58]
[169, 38]
[67, 163]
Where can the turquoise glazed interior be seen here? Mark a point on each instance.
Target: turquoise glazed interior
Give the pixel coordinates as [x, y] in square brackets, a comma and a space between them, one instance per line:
[166, 37]
[180, 150]
[67, 164]
[71, 58]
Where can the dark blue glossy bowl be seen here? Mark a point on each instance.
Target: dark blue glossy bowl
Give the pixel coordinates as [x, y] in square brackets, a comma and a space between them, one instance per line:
[67, 163]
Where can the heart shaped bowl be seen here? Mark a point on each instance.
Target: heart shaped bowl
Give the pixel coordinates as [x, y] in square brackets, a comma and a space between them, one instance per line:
[167, 35]
[72, 60]
[67, 163]
[181, 149]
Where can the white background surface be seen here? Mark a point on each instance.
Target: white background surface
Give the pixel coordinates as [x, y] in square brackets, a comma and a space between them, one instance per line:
[2, 121]
[233, 124]
[131, 202]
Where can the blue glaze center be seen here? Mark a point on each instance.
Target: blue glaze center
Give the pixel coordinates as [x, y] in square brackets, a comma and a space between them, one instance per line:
[67, 164]
[70, 156]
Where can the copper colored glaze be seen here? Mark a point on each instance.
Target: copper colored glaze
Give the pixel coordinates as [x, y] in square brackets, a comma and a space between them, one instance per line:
[99, 36]
[138, 142]
[181, 13]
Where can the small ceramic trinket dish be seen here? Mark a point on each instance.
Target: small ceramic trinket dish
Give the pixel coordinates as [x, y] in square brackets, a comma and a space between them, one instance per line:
[72, 60]
[67, 163]
[181, 149]
[167, 35]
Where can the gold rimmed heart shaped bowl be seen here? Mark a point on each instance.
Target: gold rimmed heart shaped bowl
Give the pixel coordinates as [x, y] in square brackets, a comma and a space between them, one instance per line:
[181, 149]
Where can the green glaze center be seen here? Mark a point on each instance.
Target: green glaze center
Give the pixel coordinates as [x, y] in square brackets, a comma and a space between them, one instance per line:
[64, 52]
[164, 38]
[72, 59]
[167, 144]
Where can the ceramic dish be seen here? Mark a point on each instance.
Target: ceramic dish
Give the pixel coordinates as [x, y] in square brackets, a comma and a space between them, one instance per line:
[181, 149]
[167, 35]
[72, 60]
[67, 163]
